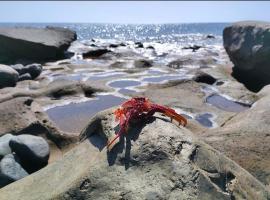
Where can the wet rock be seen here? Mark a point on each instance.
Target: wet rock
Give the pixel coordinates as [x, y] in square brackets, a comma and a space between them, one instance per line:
[142, 63]
[10, 170]
[34, 70]
[150, 47]
[156, 159]
[8, 76]
[203, 77]
[95, 52]
[33, 151]
[210, 36]
[4, 145]
[194, 48]
[24, 77]
[247, 44]
[34, 44]
[139, 45]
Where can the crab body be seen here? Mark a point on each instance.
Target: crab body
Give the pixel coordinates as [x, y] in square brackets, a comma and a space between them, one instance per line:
[140, 108]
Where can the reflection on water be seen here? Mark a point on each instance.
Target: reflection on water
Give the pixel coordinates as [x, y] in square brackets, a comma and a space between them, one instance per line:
[75, 116]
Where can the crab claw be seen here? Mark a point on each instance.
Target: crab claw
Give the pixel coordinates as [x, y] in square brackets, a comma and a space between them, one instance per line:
[170, 113]
[177, 117]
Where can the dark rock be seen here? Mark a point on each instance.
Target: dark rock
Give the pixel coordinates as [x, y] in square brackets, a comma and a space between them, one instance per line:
[203, 77]
[95, 52]
[210, 36]
[8, 76]
[114, 45]
[139, 45]
[34, 44]
[18, 68]
[142, 63]
[24, 77]
[10, 170]
[150, 47]
[33, 69]
[248, 46]
[194, 48]
[33, 151]
[4, 145]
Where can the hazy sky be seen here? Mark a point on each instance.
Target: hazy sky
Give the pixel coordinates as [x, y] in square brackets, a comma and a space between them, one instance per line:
[133, 12]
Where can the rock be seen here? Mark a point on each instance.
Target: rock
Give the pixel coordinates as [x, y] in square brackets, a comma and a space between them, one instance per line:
[34, 70]
[24, 77]
[138, 45]
[156, 159]
[8, 76]
[210, 36]
[187, 60]
[23, 115]
[150, 47]
[34, 44]
[33, 151]
[142, 63]
[95, 52]
[194, 47]
[18, 68]
[202, 77]
[10, 170]
[245, 138]
[247, 44]
[179, 63]
[4, 145]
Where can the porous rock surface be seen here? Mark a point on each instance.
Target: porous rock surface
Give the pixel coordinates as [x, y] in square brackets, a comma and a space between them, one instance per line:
[157, 160]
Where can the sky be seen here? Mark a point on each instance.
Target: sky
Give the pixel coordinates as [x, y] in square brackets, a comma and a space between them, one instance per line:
[133, 12]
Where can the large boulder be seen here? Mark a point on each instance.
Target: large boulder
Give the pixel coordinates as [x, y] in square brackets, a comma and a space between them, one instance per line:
[33, 151]
[34, 44]
[248, 46]
[156, 160]
[10, 170]
[8, 76]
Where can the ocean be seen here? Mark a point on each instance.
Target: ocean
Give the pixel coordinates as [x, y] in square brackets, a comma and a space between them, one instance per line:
[181, 34]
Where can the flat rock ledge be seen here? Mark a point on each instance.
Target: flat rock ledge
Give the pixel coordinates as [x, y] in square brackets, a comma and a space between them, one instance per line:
[156, 160]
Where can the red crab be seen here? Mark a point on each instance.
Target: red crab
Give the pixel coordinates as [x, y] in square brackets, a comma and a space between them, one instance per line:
[140, 108]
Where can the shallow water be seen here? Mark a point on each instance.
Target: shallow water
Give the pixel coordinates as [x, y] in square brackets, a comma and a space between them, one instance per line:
[95, 78]
[76, 77]
[124, 83]
[126, 91]
[75, 116]
[226, 104]
[204, 119]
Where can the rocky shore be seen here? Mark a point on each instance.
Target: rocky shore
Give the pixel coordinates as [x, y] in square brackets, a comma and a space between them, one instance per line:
[56, 115]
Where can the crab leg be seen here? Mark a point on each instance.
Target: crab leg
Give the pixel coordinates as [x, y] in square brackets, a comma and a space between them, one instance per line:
[123, 129]
[169, 112]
